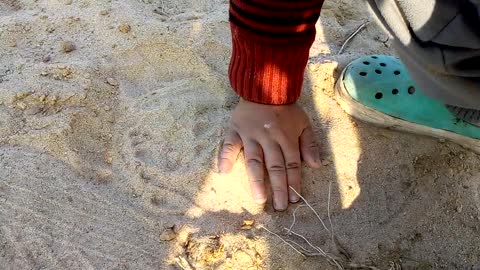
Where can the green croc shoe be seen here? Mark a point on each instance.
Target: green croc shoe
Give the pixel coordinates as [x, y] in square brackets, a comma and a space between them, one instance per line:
[377, 89]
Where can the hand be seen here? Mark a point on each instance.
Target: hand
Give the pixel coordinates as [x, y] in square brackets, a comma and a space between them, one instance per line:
[275, 138]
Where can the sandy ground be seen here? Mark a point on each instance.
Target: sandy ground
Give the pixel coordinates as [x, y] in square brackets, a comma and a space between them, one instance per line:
[111, 112]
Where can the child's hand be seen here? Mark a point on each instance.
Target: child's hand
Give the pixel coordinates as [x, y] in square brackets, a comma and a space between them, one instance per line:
[275, 138]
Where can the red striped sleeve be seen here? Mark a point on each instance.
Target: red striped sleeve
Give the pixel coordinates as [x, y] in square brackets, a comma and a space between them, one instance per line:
[271, 43]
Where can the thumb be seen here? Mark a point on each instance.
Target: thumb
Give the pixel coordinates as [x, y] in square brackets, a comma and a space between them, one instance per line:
[309, 148]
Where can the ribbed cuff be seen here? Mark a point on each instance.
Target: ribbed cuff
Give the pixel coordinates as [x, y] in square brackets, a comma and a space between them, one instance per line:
[268, 70]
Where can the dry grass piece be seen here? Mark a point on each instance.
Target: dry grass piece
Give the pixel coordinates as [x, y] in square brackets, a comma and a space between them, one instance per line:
[183, 263]
[295, 217]
[351, 36]
[315, 212]
[285, 241]
[328, 210]
[329, 257]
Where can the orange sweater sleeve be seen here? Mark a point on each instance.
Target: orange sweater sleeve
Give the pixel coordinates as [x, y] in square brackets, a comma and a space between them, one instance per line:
[271, 43]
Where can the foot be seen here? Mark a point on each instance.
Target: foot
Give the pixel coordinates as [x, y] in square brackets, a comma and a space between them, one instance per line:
[378, 89]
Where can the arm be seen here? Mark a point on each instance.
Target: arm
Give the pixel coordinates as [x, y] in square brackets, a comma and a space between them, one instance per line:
[271, 43]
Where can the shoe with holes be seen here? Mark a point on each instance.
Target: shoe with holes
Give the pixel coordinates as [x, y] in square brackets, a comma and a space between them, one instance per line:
[377, 89]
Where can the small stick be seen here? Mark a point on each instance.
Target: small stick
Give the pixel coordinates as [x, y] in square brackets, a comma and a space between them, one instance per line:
[328, 210]
[305, 251]
[183, 263]
[361, 266]
[295, 215]
[310, 244]
[318, 216]
[363, 25]
[323, 253]
[290, 245]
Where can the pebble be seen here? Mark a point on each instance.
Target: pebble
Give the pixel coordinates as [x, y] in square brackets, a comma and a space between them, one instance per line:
[104, 176]
[124, 28]
[247, 224]
[168, 234]
[242, 258]
[22, 106]
[104, 12]
[46, 59]
[112, 82]
[22, 95]
[67, 46]
[159, 11]
[325, 162]
[67, 2]
[108, 159]
[33, 110]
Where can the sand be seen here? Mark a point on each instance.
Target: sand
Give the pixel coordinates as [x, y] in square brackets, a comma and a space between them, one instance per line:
[111, 113]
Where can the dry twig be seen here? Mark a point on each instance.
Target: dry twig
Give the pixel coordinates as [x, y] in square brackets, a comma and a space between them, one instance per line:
[322, 253]
[305, 251]
[295, 217]
[363, 25]
[278, 236]
[328, 210]
[183, 263]
[315, 212]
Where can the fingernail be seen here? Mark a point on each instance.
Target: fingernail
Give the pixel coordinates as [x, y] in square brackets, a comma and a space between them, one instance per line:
[294, 198]
[279, 207]
[318, 163]
[260, 199]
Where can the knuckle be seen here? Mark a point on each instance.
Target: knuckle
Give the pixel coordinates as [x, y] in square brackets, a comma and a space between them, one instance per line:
[228, 147]
[276, 168]
[313, 144]
[224, 159]
[279, 190]
[256, 180]
[293, 165]
[254, 162]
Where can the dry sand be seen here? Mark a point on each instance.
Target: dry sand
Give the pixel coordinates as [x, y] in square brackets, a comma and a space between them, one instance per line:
[110, 117]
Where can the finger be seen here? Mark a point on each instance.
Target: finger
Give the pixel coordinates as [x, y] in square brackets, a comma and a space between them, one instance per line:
[255, 170]
[291, 153]
[275, 164]
[309, 148]
[228, 154]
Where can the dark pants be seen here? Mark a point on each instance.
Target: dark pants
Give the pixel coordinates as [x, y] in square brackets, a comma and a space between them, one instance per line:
[439, 42]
